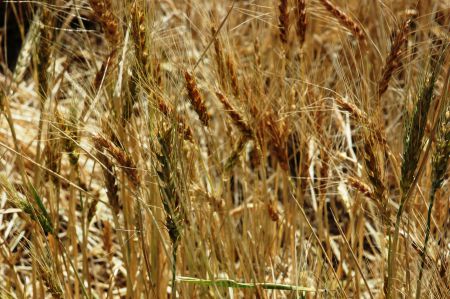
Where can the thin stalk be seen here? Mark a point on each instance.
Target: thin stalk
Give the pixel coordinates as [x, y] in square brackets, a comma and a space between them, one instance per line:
[174, 269]
[323, 250]
[353, 255]
[425, 245]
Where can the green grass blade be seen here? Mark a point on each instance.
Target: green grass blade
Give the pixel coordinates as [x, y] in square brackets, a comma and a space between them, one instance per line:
[230, 283]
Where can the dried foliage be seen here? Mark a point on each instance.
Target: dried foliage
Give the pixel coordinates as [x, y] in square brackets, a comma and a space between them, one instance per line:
[224, 149]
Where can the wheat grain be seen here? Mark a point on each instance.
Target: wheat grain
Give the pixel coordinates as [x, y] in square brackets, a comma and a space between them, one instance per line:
[196, 99]
[124, 160]
[283, 20]
[300, 13]
[345, 20]
[393, 60]
[103, 10]
[235, 116]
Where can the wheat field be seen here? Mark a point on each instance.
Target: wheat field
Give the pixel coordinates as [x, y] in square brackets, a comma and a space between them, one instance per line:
[225, 149]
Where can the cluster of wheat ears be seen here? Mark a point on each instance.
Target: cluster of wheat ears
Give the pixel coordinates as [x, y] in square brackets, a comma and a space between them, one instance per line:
[225, 149]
